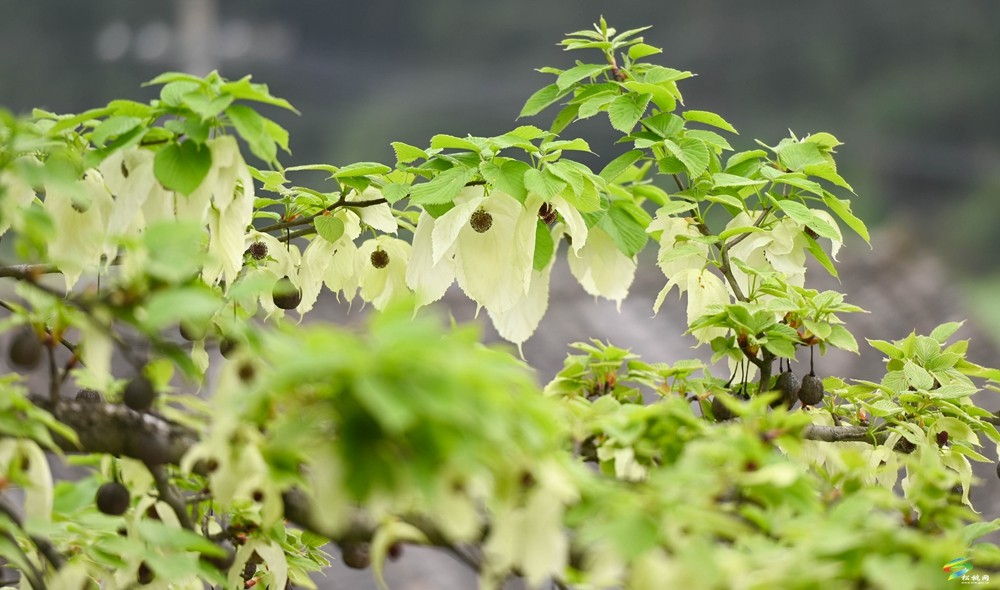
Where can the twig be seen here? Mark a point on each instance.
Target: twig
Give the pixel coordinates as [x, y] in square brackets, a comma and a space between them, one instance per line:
[19, 271]
[168, 493]
[341, 202]
[54, 380]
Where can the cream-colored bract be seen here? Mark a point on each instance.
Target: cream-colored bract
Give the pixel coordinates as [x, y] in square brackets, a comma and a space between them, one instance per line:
[80, 211]
[493, 267]
[601, 268]
[381, 286]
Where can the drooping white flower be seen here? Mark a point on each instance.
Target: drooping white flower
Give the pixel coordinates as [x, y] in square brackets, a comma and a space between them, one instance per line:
[428, 280]
[518, 323]
[705, 289]
[15, 194]
[80, 211]
[678, 251]
[380, 267]
[575, 226]
[128, 174]
[492, 240]
[330, 263]
[379, 216]
[231, 211]
[601, 268]
[282, 260]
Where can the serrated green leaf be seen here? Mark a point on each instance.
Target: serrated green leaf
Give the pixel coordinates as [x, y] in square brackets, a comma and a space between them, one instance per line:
[821, 256]
[945, 331]
[182, 167]
[641, 50]
[626, 110]
[506, 175]
[710, 138]
[443, 188]
[692, 153]
[616, 167]
[206, 106]
[842, 209]
[543, 183]
[406, 153]
[541, 99]
[577, 73]
[796, 156]
[842, 338]
[722, 180]
[250, 125]
[167, 77]
[329, 228]
[596, 103]
[394, 191]
[883, 408]
[112, 127]
[443, 141]
[709, 118]
[361, 169]
[628, 232]
[246, 90]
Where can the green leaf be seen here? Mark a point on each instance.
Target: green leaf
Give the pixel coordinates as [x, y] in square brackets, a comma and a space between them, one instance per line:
[360, 169]
[721, 180]
[626, 224]
[506, 175]
[709, 118]
[626, 110]
[394, 191]
[443, 188]
[616, 167]
[174, 93]
[543, 182]
[206, 106]
[406, 153]
[796, 156]
[842, 338]
[596, 103]
[246, 90]
[541, 99]
[641, 50]
[167, 77]
[444, 141]
[329, 228]
[821, 256]
[692, 153]
[113, 127]
[182, 167]
[842, 209]
[566, 115]
[577, 73]
[804, 215]
[544, 246]
[175, 250]
[735, 231]
[250, 125]
[711, 138]
[660, 94]
[945, 331]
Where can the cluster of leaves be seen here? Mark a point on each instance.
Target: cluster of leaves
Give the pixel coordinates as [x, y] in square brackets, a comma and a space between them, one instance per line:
[408, 434]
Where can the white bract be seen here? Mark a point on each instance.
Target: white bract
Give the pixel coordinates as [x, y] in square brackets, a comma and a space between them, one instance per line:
[601, 268]
[231, 211]
[80, 211]
[518, 323]
[380, 267]
[330, 263]
[492, 260]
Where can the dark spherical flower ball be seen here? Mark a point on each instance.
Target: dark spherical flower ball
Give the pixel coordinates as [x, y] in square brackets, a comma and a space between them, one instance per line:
[720, 410]
[481, 221]
[380, 258]
[258, 250]
[788, 384]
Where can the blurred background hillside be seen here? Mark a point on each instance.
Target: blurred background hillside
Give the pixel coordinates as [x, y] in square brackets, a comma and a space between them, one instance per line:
[911, 86]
